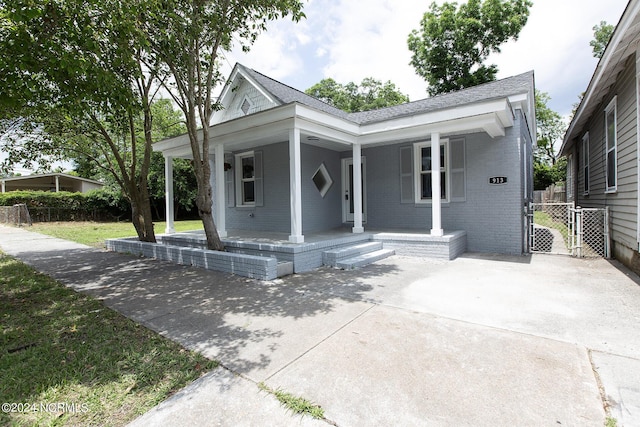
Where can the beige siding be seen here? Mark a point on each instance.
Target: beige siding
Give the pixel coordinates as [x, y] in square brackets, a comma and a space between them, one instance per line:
[622, 203]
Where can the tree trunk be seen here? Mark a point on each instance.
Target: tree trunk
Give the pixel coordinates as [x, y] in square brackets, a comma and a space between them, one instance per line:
[141, 215]
[203, 202]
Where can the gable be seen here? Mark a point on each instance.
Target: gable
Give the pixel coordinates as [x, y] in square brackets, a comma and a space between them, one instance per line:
[241, 99]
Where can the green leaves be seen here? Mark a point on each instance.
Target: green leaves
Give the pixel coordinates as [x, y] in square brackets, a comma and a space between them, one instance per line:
[100, 63]
[550, 129]
[453, 41]
[601, 36]
[371, 94]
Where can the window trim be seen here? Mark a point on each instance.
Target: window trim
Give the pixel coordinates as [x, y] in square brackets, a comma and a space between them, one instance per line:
[417, 165]
[586, 176]
[612, 106]
[240, 179]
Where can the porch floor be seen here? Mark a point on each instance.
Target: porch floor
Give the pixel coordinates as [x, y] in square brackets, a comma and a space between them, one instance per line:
[309, 254]
[282, 239]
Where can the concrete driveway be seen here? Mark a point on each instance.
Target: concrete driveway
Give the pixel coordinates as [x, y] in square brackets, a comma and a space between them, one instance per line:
[482, 340]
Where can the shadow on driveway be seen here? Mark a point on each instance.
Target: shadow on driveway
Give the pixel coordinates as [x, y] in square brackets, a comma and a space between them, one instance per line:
[243, 323]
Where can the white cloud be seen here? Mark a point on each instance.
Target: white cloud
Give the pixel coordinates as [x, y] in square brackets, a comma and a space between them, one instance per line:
[374, 44]
[555, 44]
[276, 53]
[349, 40]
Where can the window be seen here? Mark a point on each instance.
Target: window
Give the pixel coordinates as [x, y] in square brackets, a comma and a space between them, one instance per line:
[322, 179]
[585, 163]
[248, 180]
[248, 173]
[424, 174]
[611, 137]
[245, 106]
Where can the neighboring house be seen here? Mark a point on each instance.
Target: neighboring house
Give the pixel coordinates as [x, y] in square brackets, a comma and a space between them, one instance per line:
[49, 182]
[601, 143]
[283, 162]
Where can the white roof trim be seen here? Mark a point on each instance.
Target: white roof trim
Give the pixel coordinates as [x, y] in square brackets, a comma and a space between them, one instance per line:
[229, 83]
[492, 117]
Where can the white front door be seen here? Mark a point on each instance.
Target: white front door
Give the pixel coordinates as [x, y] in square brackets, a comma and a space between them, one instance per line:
[347, 190]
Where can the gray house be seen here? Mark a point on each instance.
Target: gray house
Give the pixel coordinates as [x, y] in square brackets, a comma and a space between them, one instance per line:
[284, 164]
[601, 143]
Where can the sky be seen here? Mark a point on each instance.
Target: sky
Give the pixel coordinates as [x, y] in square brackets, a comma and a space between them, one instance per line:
[348, 40]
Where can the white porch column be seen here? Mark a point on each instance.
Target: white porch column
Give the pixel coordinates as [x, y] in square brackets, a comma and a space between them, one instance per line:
[168, 193]
[4, 186]
[357, 189]
[436, 205]
[295, 186]
[219, 201]
[57, 184]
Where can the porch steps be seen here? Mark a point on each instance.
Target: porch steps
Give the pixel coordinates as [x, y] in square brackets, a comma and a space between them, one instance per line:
[354, 256]
[365, 259]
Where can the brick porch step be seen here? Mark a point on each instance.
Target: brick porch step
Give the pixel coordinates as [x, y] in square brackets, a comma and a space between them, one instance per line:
[364, 259]
[334, 256]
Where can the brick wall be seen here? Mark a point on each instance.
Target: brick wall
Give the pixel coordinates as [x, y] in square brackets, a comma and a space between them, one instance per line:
[318, 213]
[492, 215]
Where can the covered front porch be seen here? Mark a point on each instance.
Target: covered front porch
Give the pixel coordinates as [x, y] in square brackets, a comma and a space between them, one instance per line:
[282, 143]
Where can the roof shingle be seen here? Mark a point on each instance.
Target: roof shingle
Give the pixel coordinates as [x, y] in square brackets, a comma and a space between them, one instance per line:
[493, 90]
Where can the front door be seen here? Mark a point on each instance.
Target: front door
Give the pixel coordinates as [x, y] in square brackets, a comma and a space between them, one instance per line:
[347, 190]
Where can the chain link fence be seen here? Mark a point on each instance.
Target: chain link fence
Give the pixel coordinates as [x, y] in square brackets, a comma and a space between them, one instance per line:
[561, 228]
[591, 233]
[22, 215]
[551, 228]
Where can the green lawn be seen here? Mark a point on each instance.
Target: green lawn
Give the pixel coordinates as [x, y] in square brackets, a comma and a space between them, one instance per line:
[546, 220]
[75, 361]
[95, 233]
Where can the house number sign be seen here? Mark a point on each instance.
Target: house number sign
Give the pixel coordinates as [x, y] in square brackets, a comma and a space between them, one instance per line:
[497, 180]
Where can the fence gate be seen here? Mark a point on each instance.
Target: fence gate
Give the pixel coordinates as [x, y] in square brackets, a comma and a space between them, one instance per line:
[561, 228]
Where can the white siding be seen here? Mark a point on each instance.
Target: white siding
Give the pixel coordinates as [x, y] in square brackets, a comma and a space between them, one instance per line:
[245, 90]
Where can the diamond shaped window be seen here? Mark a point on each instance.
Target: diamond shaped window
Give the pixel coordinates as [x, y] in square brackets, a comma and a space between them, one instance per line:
[245, 106]
[322, 180]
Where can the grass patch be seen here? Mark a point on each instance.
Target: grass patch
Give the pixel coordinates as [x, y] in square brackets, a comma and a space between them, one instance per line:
[95, 233]
[546, 220]
[298, 405]
[77, 361]
[611, 422]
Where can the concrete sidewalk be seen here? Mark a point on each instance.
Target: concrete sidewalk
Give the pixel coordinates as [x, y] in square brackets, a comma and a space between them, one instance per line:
[482, 340]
